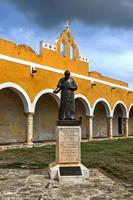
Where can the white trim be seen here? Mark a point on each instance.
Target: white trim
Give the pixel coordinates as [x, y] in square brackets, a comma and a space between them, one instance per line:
[21, 92]
[106, 106]
[47, 46]
[129, 109]
[85, 102]
[124, 108]
[56, 70]
[83, 59]
[45, 91]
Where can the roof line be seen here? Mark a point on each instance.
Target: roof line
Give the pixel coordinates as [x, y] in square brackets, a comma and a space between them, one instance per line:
[32, 64]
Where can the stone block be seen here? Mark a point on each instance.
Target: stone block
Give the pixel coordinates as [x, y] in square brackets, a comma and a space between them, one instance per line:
[68, 144]
[68, 156]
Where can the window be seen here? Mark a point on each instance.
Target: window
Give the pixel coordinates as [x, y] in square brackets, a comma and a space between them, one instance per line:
[72, 52]
[63, 49]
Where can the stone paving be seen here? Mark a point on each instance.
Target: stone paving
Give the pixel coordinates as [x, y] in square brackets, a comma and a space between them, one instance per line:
[25, 184]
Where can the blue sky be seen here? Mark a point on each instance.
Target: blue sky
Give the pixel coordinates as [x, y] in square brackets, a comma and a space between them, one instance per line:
[102, 30]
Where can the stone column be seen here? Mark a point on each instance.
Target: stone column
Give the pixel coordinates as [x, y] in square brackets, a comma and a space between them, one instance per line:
[126, 127]
[29, 128]
[90, 127]
[110, 127]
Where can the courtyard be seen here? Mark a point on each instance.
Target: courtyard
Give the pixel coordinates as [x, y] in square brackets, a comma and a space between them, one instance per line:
[24, 172]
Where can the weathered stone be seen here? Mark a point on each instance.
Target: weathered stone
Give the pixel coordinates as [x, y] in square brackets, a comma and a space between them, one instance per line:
[68, 145]
[36, 186]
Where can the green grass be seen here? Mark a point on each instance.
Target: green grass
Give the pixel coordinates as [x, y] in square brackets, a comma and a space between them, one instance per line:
[114, 157]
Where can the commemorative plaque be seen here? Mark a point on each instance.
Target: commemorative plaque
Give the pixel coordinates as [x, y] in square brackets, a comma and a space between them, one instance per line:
[68, 145]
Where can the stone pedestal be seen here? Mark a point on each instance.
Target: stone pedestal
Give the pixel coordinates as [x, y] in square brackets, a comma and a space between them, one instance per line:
[67, 166]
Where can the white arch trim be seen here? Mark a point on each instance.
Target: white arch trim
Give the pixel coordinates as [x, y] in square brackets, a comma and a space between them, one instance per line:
[41, 93]
[86, 103]
[124, 109]
[21, 92]
[129, 109]
[106, 105]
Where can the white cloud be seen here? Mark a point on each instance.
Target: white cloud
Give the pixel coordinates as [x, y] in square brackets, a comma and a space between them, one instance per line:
[22, 35]
[110, 52]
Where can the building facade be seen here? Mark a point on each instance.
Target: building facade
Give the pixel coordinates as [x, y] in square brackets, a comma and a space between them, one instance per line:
[28, 107]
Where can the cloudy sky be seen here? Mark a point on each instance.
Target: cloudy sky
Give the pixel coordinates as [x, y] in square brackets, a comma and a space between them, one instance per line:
[103, 29]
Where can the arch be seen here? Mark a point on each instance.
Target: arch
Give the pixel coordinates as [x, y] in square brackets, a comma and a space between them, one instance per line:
[123, 107]
[45, 91]
[46, 115]
[129, 109]
[21, 92]
[106, 106]
[63, 48]
[85, 102]
[13, 120]
[72, 52]
[130, 122]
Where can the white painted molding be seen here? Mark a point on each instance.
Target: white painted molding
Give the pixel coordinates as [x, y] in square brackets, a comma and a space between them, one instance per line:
[56, 70]
[124, 108]
[47, 46]
[129, 109]
[83, 59]
[86, 103]
[106, 106]
[41, 93]
[21, 92]
[30, 107]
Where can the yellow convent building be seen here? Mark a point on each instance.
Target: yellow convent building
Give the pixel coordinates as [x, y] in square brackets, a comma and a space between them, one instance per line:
[28, 107]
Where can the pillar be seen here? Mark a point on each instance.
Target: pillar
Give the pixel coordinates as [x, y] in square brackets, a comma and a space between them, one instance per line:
[29, 128]
[126, 127]
[90, 127]
[110, 127]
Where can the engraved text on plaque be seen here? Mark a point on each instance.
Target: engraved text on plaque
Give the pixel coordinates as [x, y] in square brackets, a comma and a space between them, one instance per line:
[69, 145]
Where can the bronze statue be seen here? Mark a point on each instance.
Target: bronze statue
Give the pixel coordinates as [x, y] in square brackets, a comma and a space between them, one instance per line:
[67, 86]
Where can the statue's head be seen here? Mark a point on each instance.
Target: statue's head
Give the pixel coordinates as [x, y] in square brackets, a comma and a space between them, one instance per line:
[67, 74]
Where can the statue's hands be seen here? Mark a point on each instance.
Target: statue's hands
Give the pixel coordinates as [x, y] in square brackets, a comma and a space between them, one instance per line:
[56, 90]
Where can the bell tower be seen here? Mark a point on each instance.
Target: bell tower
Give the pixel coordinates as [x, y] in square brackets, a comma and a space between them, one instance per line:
[66, 45]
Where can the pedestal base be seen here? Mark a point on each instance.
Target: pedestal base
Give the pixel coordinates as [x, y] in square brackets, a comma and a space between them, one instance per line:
[67, 166]
[55, 172]
[69, 122]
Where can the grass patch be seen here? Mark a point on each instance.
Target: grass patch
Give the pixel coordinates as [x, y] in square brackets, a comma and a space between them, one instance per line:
[36, 157]
[113, 157]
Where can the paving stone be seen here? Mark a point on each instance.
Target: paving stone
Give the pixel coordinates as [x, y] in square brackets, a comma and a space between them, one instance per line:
[25, 184]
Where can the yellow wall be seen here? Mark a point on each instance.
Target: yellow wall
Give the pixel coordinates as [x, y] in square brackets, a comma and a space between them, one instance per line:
[20, 74]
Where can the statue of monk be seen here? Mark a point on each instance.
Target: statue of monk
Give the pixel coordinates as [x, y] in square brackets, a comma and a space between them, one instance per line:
[67, 86]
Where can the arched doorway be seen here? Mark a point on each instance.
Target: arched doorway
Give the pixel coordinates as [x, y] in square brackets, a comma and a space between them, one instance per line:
[119, 113]
[13, 121]
[130, 123]
[81, 112]
[100, 112]
[46, 115]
